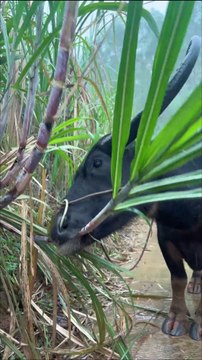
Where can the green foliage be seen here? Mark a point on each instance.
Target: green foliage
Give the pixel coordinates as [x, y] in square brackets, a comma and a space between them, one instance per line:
[85, 115]
[94, 289]
[174, 138]
[124, 93]
[118, 6]
[155, 156]
[172, 34]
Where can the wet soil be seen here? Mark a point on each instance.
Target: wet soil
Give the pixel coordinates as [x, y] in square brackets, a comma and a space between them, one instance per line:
[152, 280]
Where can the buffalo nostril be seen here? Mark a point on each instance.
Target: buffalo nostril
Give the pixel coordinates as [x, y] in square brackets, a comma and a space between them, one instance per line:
[63, 223]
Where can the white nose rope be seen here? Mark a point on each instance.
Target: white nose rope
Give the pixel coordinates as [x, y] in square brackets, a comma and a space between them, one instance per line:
[67, 202]
[64, 213]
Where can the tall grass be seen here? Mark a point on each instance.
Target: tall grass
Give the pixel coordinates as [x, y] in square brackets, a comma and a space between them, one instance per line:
[58, 304]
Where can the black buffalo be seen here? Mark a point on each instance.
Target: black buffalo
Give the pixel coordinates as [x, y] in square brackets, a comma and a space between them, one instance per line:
[179, 222]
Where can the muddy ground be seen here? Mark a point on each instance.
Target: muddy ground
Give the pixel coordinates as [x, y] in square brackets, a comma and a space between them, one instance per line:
[152, 279]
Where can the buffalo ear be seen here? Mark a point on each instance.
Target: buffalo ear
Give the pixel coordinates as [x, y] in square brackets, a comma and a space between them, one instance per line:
[105, 144]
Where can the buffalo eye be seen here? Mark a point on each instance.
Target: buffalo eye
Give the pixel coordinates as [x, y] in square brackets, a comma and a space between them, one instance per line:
[97, 163]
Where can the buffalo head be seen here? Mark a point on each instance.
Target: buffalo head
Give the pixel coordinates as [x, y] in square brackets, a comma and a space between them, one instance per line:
[91, 188]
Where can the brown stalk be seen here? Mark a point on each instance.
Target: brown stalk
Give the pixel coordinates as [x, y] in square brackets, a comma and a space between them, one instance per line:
[55, 312]
[29, 109]
[30, 351]
[41, 210]
[67, 35]
[55, 275]
[33, 250]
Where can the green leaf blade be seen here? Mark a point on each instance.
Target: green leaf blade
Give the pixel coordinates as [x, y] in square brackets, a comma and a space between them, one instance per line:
[174, 132]
[172, 34]
[125, 92]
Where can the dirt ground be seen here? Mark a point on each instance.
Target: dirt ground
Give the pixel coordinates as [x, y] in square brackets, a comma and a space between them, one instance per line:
[152, 280]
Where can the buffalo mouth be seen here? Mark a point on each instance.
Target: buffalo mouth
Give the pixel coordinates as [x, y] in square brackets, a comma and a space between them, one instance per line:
[75, 244]
[70, 247]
